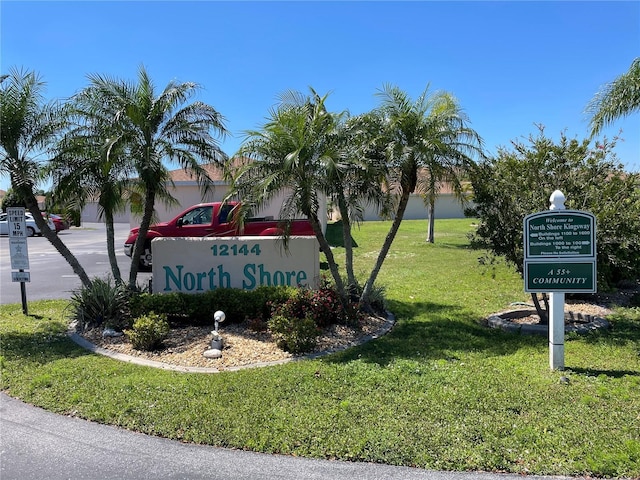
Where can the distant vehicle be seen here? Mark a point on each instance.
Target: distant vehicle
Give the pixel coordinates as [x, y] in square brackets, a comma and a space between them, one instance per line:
[60, 222]
[32, 228]
[211, 220]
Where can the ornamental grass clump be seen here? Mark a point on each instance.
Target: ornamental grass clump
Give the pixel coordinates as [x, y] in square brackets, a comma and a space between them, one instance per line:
[148, 331]
[103, 304]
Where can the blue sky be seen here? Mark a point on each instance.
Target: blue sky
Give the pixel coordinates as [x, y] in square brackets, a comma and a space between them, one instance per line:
[511, 65]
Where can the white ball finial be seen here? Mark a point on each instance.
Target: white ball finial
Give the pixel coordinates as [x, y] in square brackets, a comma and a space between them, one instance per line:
[557, 199]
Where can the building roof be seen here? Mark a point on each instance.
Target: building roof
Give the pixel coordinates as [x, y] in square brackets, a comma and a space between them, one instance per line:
[214, 170]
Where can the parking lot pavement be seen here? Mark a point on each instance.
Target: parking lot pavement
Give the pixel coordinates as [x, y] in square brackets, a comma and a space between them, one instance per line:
[51, 276]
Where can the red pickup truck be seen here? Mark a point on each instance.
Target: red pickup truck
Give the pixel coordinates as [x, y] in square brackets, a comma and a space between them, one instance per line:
[210, 220]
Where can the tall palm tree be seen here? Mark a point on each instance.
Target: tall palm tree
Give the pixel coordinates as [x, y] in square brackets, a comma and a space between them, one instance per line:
[439, 170]
[29, 130]
[616, 99]
[291, 154]
[155, 128]
[437, 178]
[420, 133]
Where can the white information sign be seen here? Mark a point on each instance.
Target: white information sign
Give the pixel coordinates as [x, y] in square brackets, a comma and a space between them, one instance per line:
[16, 222]
[19, 253]
[20, 277]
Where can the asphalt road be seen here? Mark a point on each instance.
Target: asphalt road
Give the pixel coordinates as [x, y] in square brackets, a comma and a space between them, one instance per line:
[51, 275]
[36, 444]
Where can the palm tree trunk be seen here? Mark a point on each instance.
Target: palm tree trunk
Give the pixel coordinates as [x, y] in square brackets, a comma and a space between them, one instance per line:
[138, 247]
[326, 249]
[111, 251]
[368, 287]
[432, 220]
[32, 206]
[542, 312]
[348, 242]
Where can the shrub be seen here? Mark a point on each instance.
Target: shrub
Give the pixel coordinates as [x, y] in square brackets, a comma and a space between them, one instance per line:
[519, 182]
[377, 298]
[197, 309]
[295, 335]
[102, 304]
[148, 331]
[322, 306]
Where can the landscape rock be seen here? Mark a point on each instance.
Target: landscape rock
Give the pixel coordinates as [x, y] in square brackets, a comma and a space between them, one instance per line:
[212, 353]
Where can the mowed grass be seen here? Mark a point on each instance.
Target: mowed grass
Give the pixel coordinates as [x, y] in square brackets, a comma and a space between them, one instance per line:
[440, 391]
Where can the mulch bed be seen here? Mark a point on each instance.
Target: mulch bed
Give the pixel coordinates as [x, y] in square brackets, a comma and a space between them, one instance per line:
[242, 346]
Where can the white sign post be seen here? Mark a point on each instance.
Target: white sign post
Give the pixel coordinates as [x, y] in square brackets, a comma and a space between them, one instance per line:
[560, 257]
[556, 305]
[18, 250]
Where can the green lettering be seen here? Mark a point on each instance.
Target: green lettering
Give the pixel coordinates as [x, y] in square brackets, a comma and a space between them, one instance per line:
[169, 276]
[189, 281]
[265, 277]
[249, 275]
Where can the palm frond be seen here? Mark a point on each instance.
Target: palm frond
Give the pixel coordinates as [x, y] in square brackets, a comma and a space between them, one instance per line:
[616, 99]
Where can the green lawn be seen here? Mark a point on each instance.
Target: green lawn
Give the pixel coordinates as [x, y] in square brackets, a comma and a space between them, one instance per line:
[440, 391]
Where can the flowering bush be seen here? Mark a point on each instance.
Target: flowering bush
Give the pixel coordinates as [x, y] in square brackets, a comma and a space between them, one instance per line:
[323, 306]
[296, 322]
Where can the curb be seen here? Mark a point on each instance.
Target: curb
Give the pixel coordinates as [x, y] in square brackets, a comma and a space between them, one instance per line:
[84, 343]
[497, 321]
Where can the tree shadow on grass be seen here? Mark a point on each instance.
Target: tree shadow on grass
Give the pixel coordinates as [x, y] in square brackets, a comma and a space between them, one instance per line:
[609, 373]
[445, 332]
[451, 246]
[40, 347]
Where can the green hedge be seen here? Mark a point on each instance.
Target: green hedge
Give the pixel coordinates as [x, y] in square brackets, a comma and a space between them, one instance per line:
[198, 309]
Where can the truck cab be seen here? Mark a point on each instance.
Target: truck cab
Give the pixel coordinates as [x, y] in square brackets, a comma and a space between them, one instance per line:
[209, 220]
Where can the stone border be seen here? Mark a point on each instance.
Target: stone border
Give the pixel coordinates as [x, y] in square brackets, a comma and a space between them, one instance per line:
[84, 343]
[498, 320]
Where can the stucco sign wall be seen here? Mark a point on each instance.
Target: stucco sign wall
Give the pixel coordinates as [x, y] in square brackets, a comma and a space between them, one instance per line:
[196, 265]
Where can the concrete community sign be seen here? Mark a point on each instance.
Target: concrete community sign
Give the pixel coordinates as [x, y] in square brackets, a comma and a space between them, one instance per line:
[560, 252]
[196, 265]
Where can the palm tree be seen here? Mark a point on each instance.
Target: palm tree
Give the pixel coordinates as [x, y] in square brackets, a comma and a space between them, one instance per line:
[291, 154]
[437, 175]
[90, 167]
[362, 180]
[30, 128]
[157, 128]
[419, 134]
[616, 99]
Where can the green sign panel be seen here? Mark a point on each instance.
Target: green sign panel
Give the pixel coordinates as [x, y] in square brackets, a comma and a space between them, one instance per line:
[554, 276]
[560, 234]
[560, 252]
